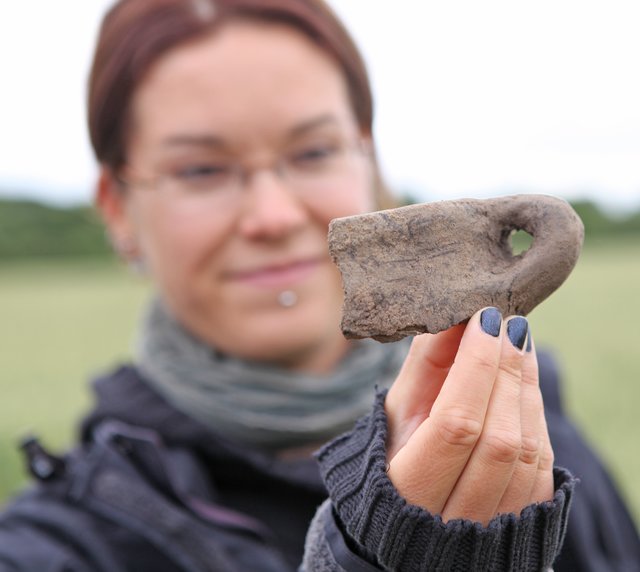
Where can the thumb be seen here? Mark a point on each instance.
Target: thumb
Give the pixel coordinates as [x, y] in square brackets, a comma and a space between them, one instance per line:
[418, 384]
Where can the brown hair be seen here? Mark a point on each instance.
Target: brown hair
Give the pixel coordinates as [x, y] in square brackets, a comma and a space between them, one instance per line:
[136, 33]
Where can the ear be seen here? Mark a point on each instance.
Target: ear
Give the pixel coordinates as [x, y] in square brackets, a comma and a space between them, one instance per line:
[112, 202]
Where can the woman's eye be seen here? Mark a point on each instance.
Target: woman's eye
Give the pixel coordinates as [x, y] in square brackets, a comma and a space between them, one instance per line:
[202, 172]
[203, 177]
[315, 155]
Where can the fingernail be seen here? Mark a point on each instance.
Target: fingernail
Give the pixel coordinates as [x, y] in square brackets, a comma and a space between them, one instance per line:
[517, 331]
[529, 340]
[490, 321]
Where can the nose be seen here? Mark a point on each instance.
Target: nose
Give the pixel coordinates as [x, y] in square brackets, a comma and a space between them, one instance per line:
[270, 209]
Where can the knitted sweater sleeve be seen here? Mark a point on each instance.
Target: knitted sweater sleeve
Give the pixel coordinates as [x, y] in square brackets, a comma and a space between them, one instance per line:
[366, 525]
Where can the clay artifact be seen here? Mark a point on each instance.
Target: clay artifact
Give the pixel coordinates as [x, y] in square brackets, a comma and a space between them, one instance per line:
[424, 268]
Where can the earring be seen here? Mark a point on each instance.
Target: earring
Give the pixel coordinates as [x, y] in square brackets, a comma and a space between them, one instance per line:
[128, 251]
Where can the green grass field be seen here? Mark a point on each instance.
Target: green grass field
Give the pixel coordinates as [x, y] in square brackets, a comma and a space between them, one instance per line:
[64, 322]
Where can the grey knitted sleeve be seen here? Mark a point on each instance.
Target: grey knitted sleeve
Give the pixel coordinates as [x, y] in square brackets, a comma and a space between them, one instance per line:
[381, 531]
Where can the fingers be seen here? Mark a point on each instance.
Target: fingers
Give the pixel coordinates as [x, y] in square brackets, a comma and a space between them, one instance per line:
[488, 473]
[518, 493]
[532, 479]
[467, 428]
[425, 470]
[409, 400]
[543, 488]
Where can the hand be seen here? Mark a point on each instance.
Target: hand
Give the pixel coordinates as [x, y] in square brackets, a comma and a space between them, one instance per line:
[467, 433]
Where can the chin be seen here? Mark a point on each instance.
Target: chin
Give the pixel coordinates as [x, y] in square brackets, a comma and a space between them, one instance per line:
[291, 337]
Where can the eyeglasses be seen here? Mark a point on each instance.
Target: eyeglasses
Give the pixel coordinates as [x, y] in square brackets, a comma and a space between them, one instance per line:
[311, 169]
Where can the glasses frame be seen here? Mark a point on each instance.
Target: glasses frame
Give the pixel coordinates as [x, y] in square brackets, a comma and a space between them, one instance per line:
[241, 173]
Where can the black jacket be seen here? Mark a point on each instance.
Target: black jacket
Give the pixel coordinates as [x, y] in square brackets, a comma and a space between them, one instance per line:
[149, 489]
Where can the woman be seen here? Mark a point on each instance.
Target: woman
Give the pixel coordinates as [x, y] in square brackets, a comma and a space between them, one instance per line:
[229, 134]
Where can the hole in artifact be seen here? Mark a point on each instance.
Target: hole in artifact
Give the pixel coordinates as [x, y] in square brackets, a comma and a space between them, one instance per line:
[520, 241]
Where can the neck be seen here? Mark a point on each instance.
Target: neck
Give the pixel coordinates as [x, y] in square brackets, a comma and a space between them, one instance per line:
[265, 407]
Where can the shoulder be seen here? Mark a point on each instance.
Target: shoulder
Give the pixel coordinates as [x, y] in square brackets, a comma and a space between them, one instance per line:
[126, 500]
[42, 530]
[61, 524]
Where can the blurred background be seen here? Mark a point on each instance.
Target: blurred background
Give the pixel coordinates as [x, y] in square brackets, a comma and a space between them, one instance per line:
[473, 100]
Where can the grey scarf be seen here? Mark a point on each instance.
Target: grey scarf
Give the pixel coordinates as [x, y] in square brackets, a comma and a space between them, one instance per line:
[256, 403]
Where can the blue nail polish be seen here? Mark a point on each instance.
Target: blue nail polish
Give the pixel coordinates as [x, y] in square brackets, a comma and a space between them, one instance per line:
[490, 321]
[517, 329]
[529, 340]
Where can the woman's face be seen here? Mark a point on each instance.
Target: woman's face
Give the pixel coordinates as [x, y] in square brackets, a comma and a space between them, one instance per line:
[230, 253]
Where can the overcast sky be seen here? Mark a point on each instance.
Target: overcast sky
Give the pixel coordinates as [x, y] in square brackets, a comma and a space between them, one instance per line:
[474, 98]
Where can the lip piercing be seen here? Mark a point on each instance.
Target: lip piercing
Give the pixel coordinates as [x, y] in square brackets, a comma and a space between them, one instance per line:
[287, 298]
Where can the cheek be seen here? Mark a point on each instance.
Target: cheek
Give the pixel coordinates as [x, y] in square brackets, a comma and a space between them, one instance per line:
[353, 199]
[172, 248]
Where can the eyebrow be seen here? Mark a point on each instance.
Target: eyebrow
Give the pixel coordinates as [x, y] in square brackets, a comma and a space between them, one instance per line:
[211, 140]
[193, 140]
[314, 123]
